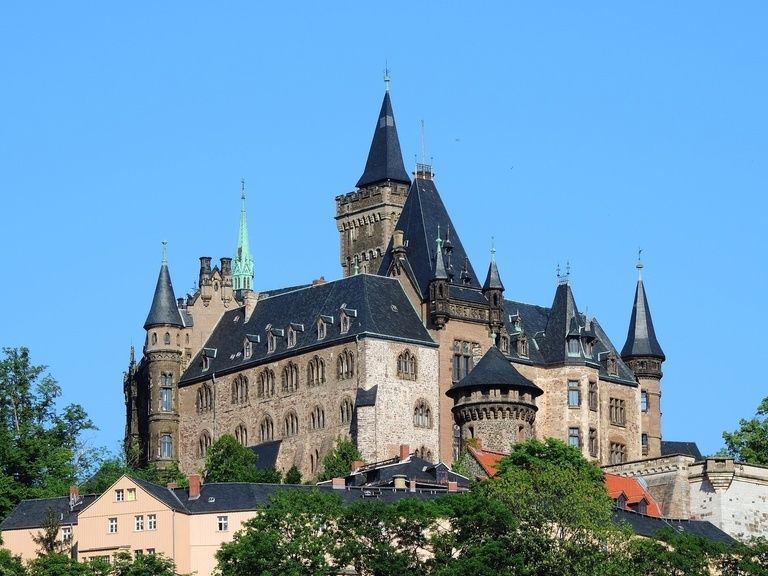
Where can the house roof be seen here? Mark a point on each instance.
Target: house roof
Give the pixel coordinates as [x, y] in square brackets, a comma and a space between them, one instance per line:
[649, 526]
[488, 460]
[669, 448]
[376, 306]
[633, 492]
[385, 160]
[494, 369]
[34, 513]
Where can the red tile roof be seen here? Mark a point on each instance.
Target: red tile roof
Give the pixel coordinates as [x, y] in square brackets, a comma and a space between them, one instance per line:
[489, 461]
[633, 491]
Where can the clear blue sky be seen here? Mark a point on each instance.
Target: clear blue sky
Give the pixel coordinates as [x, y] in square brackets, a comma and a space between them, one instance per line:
[569, 131]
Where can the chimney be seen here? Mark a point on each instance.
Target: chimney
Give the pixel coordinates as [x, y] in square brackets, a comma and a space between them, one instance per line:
[318, 281]
[412, 485]
[405, 452]
[453, 486]
[400, 481]
[397, 241]
[356, 465]
[194, 486]
[339, 484]
[74, 495]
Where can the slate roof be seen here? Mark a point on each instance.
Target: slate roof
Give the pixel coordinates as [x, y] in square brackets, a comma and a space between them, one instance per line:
[641, 338]
[413, 468]
[492, 279]
[33, 513]
[266, 454]
[385, 160]
[164, 309]
[377, 307]
[649, 526]
[669, 448]
[422, 214]
[494, 369]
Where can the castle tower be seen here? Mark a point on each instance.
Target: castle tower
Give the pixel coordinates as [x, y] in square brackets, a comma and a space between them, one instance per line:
[494, 403]
[242, 266]
[493, 290]
[644, 356]
[366, 218]
[162, 366]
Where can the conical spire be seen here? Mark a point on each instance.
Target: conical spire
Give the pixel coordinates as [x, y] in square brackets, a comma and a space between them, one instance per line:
[242, 267]
[164, 309]
[493, 280]
[641, 338]
[385, 160]
[439, 263]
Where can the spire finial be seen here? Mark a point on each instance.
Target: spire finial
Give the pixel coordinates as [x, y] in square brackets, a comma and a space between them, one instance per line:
[242, 188]
[639, 264]
[439, 240]
[386, 77]
[165, 253]
[493, 250]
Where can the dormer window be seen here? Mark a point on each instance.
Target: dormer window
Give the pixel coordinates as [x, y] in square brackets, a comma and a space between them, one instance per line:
[321, 330]
[504, 344]
[522, 347]
[208, 353]
[613, 365]
[247, 349]
[206, 363]
[574, 349]
[271, 343]
[291, 337]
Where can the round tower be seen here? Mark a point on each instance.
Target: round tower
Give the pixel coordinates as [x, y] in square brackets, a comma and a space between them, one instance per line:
[494, 403]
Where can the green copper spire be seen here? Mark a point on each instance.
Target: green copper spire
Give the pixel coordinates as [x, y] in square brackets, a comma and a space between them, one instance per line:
[242, 266]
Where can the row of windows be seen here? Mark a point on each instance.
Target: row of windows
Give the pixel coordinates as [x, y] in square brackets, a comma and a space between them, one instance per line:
[138, 523]
[617, 450]
[574, 394]
[167, 339]
[463, 358]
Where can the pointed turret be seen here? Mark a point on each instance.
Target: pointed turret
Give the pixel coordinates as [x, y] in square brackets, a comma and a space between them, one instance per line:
[440, 273]
[242, 277]
[641, 338]
[493, 290]
[385, 160]
[564, 326]
[164, 309]
[493, 280]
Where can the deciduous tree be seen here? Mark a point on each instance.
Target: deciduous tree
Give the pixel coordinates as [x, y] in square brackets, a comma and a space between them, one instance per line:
[338, 462]
[749, 443]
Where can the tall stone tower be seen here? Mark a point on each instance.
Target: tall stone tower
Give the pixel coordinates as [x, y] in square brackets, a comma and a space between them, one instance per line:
[366, 218]
[644, 356]
[158, 414]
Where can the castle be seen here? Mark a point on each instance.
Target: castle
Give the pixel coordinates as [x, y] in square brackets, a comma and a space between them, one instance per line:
[409, 347]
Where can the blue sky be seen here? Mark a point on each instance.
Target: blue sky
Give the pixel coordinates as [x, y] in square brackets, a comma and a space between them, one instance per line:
[570, 132]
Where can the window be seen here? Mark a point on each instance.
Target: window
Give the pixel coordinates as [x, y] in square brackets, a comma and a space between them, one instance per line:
[222, 523]
[151, 551]
[138, 523]
[574, 437]
[119, 495]
[618, 453]
[166, 446]
[317, 418]
[345, 367]
[422, 415]
[271, 343]
[151, 524]
[592, 395]
[616, 412]
[112, 525]
[504, 344]
[346, 411]
[206, 363]
[290, 378]
[291, 424]
[130, 495]
[241, 434]
[154, 338]
[321, 330]
[166, 392]
[291, 337]
[204, 399]
[644, 400]
[240, 389]
[462, 358]
[593, 442]
[574, 394]
[315, 371]
[574, 349]
[66, 534]
[167, 338]
[613, 365]
[247, 349]
[644, 443]
[314, 461]
[266, 429]
[345, 322]
[203, 443]
[522, 347]
[406, 365]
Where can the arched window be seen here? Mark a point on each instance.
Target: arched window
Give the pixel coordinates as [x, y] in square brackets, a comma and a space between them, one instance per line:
[154, 337]
[345, 367]
[266, 383]
[346, 410]
[290, 378]
[240, 389]
[204, 399]
[203, 443]
[291, 424]
[315, 371]
[406, 365]
[314, 461]
[241, 433]
[167, 338]
[266, 430]
[317, 418]
[422, 415]
[166, 446]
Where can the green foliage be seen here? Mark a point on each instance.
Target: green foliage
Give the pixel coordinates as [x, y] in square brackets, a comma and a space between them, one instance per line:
[41, 447]
[58, 564]
[534, 454]
[338, 462]
[11, 565]
[47, 539]
[293, 476]
[113, 468]
[147, 565]
[229, 461]
[750, 442]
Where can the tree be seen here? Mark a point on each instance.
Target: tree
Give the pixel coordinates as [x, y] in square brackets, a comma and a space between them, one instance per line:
[11, 565]
[48, 537]
[146, 565]
[293, 476]
[338, 462]
[41, 449]
[750, 442]
[230, 461]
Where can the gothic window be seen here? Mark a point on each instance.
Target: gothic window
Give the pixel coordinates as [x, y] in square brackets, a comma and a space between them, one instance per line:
[291, 424]
[345, 366]
[345, 322]
[315, 371]
[206, 363]
[314, 461]
[240, 390]
[266, 387]
[271, 343]
[644, 443]
[593, 442]
[422, 415]
[203, 443]
[574, 394]
[317, 418]
[406, 365]
[204, 399]
[291, 337]
[423, 453]
[166, 446]
[290, 378]
[616, 411]
[247, 349]
[618, 453]
[462, 359]
[644, 400]
[593, 395]
[266, 430]
[346, 411]
[574, 437]
[321, 329]
[241, 434]
[166, 393]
